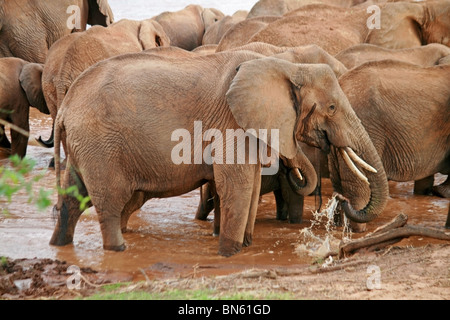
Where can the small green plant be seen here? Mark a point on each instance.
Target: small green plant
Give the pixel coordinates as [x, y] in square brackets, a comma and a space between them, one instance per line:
[18, 177]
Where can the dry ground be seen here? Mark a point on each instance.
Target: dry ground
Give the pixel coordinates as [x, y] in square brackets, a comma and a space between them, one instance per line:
[405, 273]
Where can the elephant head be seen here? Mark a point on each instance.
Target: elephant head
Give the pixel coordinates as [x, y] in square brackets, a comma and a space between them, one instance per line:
[30, 81]
[100, 13]
[405, 25]
[210, 16]
[304, 102]
[151, 35]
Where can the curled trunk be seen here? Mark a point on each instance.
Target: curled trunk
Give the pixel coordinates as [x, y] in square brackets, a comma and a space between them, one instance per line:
[362, 199]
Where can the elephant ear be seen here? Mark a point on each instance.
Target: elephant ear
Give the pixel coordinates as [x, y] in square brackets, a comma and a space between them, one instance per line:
[31, 82]
[151, 34]
[210, 16]
[261, 97]
[100, 13]
[401, 26]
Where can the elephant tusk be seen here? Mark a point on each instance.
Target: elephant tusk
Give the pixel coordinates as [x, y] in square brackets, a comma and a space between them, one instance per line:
[352, 166]
[298, 174]
[359, 161]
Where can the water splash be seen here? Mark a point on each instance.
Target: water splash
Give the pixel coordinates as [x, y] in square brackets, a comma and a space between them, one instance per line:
[321, 240]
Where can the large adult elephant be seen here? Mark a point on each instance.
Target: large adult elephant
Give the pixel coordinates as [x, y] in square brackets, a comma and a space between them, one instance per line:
[403, 25]
[427, 55]
[187, 27]
[159, 103]
[20, 88]
[73, 54]
[289, 199]
[405, 110]
[29, 28]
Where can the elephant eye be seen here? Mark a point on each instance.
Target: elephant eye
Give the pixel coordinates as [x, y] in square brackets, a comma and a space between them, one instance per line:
[332, 107]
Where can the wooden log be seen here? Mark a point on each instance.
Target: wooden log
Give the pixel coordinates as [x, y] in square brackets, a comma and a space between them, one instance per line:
[388, 235]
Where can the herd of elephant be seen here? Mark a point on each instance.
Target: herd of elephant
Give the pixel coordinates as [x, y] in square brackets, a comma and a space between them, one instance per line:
[355, 104]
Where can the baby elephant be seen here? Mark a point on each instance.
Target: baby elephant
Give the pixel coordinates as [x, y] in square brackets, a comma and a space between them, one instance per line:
[20, 88]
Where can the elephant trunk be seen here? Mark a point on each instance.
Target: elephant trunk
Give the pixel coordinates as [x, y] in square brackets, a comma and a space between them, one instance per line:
[362, 189]
[302, 176]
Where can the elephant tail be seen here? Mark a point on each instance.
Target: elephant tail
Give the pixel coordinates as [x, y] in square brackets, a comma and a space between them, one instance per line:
[57, 128]
[50, 143]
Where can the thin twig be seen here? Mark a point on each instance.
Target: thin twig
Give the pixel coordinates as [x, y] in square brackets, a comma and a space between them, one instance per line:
[15, 128]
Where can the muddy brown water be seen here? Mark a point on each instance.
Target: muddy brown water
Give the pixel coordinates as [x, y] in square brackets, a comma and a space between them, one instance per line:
[165, 239]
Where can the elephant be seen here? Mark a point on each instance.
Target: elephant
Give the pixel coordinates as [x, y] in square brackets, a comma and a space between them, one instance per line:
[426, 55]
[287, 200]
[282, 7]
[216, 31]
[239, 34]
[73, 54]
[187, 27]
[129, 137]
[20, 87]
[405, 110]
[404, 25]
[31, 38]
[300, 54]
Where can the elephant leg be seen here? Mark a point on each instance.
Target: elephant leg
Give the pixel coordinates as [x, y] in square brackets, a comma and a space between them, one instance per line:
[70, 211]
[136, 202]
[447, 224]
[443, 190]
[206, 204]
[248, 235]
[236, 190]
[282, 208]
[295, 208]
[19, 142]
[216, 231]
[293, 201]
[424, 186]
[4, 142]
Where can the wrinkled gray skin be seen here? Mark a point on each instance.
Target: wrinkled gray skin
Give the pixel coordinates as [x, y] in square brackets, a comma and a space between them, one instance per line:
[29, 28]
[427, 55]
[405, 110]
[186, 28]
[73, 54]
[121, 169]
[20, 88]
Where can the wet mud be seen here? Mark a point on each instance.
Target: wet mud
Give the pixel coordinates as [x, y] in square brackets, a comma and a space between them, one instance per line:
[165, 240]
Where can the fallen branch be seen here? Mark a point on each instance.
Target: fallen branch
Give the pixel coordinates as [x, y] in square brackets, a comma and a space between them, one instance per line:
[388, 234]
[15, 128]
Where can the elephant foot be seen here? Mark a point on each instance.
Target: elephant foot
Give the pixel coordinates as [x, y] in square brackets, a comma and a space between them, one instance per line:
[61, 235]
[115, 248]
[442, 191]
[282, 215]
[424, 186]
[296, 220]
[248, 238]
[228, 247]
[60, 241]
